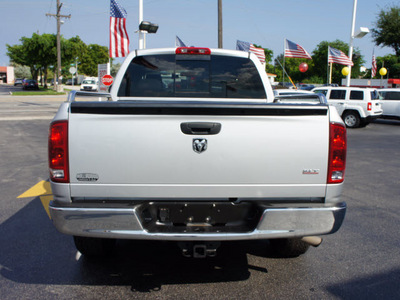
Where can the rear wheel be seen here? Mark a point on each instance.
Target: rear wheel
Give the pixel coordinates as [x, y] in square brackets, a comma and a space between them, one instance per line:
[94, 247]
[288, 247]
[351, 119]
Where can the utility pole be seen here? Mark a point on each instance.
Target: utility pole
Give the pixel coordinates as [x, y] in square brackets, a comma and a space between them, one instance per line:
[58, 16]
[220, 24]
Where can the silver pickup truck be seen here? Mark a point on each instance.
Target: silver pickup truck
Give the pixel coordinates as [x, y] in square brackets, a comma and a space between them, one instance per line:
[192, 147]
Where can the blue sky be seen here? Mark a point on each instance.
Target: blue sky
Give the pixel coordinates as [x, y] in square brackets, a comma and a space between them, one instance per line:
[262, 22]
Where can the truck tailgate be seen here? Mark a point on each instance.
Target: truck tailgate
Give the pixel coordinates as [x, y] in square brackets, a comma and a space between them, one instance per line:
[129, 150]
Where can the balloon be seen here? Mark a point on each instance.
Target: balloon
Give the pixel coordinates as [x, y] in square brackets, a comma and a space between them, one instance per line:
[382, 71]
[303, 67]
[345, 71]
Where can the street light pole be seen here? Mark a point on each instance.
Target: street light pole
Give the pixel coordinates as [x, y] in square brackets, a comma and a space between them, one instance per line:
[353, 23]
[141, 33]
[220, 24]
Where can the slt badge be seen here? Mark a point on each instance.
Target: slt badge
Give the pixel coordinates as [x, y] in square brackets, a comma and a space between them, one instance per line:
[199, 145]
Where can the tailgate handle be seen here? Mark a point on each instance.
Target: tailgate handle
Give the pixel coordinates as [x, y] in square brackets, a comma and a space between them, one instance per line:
[200, 128]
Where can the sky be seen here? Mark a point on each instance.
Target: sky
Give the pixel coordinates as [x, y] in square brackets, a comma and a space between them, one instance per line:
[262, 22]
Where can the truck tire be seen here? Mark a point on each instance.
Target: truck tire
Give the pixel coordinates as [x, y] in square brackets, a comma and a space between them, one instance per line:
[94, 247]
[288, 247]
[351, 119]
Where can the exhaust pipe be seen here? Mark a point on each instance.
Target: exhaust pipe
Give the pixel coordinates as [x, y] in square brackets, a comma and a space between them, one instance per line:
[314, 241]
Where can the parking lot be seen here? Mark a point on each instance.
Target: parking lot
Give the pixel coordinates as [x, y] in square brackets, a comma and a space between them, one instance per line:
[361, 260]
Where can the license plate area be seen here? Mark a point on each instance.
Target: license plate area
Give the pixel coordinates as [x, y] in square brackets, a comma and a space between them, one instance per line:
[208, 217]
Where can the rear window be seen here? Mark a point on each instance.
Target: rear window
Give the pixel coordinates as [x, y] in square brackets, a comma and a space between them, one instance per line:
[206, 76]
[357, 95]
[390, 95]
[375, 95]
[337, 94]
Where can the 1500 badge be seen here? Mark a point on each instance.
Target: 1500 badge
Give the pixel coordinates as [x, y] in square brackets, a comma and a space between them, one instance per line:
[311, 171]
[87, 177]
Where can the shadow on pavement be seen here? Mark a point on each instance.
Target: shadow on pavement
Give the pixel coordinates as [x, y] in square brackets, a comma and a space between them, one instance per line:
[33, 252]
[379, 286]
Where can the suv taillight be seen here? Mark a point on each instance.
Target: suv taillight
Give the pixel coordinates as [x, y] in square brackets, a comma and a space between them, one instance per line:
[337, 153]
[58, 151]
[369, 107]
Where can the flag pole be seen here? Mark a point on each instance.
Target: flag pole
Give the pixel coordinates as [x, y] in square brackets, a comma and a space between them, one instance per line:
[283, 67]
[327, 67]
[284, 71]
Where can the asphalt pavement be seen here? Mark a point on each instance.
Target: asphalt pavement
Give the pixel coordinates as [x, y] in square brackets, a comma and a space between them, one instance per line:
[360, 261]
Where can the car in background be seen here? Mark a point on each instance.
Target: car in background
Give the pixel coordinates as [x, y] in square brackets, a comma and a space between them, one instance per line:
[390, 100]
[357, 106]
[304, 86]
[18, 81]
[69, 81]
[90, 84]
[30, 84]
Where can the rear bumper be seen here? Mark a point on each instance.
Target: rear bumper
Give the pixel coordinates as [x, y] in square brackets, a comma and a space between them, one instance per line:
[372, 117]
[124, 223]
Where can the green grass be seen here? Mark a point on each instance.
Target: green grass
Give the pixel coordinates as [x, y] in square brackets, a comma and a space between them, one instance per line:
[41, 91]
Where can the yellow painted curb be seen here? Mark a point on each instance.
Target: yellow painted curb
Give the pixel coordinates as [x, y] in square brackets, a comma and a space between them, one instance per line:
[41, 188]
[45, 202]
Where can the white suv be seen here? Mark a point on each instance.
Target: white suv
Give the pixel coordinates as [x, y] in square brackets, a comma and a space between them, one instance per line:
[90, 84]
[356, 106]
[390, 99]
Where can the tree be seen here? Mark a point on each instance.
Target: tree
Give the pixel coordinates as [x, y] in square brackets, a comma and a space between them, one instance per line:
[21, 71]
[387, 31]
[114, 69]
[39, 53]
[269, 54]
[94, 55]
[391, 62]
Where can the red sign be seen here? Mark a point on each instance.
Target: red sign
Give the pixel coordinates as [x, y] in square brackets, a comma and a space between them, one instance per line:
[107, 80]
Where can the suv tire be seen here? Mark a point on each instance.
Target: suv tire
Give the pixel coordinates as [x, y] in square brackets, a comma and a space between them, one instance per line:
[351, 119]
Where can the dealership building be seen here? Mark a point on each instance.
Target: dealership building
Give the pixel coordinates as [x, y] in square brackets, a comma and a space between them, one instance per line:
[7, 75]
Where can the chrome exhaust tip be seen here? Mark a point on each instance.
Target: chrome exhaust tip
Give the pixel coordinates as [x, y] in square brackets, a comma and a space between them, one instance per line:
[314, 241]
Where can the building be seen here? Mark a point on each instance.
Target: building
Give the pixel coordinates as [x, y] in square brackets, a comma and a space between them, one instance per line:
[374, 83]
[7, 75]
[271, 78]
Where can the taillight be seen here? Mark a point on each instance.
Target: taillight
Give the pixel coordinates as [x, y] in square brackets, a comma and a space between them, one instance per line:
[58, 152]
[193, 51]
[369, 107]
[337, 153]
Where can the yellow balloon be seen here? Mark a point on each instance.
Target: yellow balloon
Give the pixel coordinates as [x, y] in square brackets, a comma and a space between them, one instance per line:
[345, 71]
[382, 71]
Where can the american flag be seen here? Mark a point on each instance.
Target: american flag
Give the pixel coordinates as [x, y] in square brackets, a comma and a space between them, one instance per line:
[295, 50]
[119, 40]
[178, 42]
[245, 46]
[374, 66]
[337, 56]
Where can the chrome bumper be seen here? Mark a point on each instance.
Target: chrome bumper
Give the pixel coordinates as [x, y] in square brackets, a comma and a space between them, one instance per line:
[124, 223]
